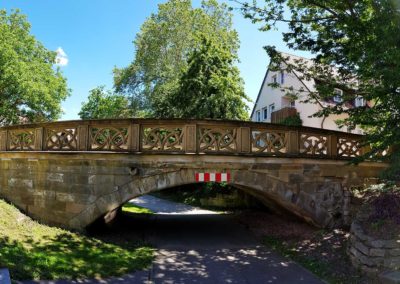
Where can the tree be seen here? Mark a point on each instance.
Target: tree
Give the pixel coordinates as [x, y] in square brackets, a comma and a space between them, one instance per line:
[163, 47]
[105, 104]
[211, 87]
[357, 48]
[31, 88]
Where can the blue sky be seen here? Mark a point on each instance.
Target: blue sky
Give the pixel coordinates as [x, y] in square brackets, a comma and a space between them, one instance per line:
[97, 35]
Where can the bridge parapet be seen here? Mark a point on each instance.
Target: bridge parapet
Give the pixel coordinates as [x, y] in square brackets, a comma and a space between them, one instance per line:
[177, 136]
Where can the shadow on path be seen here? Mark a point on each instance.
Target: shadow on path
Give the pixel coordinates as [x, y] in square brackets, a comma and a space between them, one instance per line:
[203, 248]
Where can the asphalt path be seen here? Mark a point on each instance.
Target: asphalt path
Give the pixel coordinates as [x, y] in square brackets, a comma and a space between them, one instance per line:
[200, 246]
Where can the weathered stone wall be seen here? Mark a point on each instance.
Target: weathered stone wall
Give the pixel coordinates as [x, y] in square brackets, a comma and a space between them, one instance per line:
[74, 189]
[373, 255]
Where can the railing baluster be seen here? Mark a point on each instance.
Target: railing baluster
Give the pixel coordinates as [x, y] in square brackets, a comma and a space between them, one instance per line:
[3, 140]
[244, 140]
[293, 143]
[333, 146]
[83, 137]
[39, 132]
[190, 138]
[134, 138]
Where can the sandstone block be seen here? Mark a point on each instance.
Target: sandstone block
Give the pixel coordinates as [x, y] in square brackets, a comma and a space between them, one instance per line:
[392, 262]
[390, 277]
[376, 243]
[392, 243]
[377, 252]
[394, 252]
[55, 177]
[362, 248]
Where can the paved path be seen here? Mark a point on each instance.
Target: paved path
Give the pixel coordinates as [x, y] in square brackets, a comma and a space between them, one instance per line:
[165, 207]
[206, 248]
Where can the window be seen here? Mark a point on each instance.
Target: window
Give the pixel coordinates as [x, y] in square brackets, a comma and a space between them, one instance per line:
[265, 113]
[258, 116]
[282, 77]
[274, 79]
[338, 94]
[271, 109]
[292, 104]
[359, 101]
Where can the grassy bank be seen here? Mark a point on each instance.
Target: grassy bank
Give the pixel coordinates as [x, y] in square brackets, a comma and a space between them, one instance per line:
[35, 251]
[133, 208]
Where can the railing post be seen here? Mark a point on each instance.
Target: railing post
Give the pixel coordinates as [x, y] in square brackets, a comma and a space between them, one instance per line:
[3, 140]
[134, 138]
[333, 146]
[190, 138]
[243, 140]
[83, 137]
[293, 143]
[38, 146]
[365, 149]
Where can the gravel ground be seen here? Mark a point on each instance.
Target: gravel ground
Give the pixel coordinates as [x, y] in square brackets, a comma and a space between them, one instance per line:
[322, 251]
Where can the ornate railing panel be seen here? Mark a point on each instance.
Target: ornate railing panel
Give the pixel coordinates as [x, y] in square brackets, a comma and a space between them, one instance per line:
[313, 144]
[182, 136]
[269, 141]
[61, 139]
[156, 138]
[348, 147]
[217, 139]
[21, 140]
[108, 138]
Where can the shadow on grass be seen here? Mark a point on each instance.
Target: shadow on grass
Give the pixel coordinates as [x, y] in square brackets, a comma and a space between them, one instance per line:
[70, 256]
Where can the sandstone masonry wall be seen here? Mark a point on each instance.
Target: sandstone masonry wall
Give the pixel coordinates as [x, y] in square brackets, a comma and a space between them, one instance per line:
[74, 189]
[373, 255]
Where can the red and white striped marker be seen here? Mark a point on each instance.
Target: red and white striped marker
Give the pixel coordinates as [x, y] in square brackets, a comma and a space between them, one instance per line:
[216, 177]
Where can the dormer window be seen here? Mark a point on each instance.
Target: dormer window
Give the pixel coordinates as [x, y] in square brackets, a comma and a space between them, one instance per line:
[274, 79]
[359, 101]
[338, 95]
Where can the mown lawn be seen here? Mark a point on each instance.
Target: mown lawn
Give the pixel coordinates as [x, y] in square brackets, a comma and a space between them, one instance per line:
[34, 251]
[133, 208]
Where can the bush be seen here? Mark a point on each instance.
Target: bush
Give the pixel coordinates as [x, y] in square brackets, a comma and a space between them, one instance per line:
[386, 207]
[294, 120]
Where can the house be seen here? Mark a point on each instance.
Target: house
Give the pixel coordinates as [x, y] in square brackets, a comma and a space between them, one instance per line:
[273, 104]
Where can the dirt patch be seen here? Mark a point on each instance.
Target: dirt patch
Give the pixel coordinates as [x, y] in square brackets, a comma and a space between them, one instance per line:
[321, 251]
[380, 216]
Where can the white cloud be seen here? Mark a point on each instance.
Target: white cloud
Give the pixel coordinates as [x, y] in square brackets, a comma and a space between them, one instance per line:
[61, 57]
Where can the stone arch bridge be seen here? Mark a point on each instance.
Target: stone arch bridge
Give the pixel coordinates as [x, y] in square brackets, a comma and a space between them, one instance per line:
[71, 173]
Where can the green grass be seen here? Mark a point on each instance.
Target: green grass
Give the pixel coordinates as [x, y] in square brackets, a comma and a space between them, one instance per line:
[132, 208]
[193, 193]
[34, 251]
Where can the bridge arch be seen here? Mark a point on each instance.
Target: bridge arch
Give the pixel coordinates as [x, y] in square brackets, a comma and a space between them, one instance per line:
[70, 173]
[318, 201]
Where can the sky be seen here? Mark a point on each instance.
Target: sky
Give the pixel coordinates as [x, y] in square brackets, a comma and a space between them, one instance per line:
[92, 37]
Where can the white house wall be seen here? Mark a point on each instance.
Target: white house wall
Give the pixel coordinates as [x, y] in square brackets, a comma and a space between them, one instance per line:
[270, 95]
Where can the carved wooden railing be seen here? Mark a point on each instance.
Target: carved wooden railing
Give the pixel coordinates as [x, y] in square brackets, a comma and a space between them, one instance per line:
[181, 136]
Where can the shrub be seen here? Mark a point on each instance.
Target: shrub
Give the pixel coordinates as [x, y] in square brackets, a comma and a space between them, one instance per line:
[294, 120]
